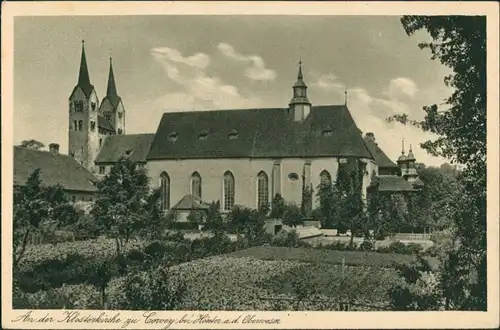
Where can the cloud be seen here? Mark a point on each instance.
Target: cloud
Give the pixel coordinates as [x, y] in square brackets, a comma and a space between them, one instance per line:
[369, 113]
[198, 60]
[199, 90]
[327, 82]
[401, 87]
[257, 70]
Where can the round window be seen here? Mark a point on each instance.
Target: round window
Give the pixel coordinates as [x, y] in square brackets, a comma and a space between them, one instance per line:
[293, 176]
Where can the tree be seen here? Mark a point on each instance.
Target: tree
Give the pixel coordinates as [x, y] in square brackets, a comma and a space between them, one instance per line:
[36, 206]
[243, 220]
[459, 42]
[214, 222]
[328, 205]
[125, 204]
[348, 185]
[277, 207]
[293, 215]
[32, 144]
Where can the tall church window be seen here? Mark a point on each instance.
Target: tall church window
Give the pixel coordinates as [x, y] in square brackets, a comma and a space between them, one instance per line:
[80, 125]
[92, 126]
[165, 191]
[196, 184]
[262, 190]
[325, 178]
[228, 191]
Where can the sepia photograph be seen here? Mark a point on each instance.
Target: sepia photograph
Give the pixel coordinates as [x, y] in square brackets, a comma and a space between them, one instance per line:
[272, 163]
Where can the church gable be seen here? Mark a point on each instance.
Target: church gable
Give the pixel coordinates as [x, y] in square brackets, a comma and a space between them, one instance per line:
[329, 131]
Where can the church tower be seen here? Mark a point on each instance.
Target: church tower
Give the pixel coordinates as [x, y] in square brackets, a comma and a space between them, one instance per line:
[112, 106]
[300, 106]
[411, 171]
[83, 118]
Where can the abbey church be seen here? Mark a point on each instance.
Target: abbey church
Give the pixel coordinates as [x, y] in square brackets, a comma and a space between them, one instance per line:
[238, 157]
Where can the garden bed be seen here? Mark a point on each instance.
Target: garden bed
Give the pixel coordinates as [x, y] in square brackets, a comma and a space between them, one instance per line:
[322, 256]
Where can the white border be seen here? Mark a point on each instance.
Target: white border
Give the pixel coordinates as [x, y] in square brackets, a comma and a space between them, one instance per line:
[317, 320]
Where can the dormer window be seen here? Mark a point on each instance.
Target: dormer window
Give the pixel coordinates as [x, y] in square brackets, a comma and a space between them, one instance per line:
[203, 135]
[233, 135]
[327, 132]
[173, 136]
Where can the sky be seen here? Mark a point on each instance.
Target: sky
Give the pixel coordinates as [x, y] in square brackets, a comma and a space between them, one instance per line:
[196, 63]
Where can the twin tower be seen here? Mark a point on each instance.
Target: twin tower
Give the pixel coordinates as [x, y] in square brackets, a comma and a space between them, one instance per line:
[90, 122]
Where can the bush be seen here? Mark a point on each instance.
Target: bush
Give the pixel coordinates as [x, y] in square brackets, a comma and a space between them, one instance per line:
[174, 236]
[398, 247]
[292, 215]
[367, 245]
[337, 246]
[286, 238]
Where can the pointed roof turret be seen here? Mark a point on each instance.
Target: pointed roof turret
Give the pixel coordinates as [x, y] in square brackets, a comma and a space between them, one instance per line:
[402, 158]
[83, 76]
[410, 156]
[111, 93]
[300, 78]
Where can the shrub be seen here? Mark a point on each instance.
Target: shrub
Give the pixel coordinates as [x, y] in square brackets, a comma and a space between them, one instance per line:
[157, 289]
[288, 238]
[367, 245]
[175, 236]
[292, 215]
[338, 246]
[398, 247]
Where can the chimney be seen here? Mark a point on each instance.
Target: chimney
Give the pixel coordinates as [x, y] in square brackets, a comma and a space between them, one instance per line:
[54, 148]
[370, 136]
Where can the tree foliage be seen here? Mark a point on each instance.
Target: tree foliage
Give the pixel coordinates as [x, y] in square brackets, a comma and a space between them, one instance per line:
[278, 206]
[459, 42]
[38, 209]
[32, 144]
[125, 204]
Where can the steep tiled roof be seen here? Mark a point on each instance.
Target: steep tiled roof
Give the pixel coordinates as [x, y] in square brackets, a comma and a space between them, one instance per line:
[379, 155]
[117, 146]
[83, 76]
[327, 131]
[394, 183]
[111, 93]
[190, 202]
[55, 169]
[104, 124]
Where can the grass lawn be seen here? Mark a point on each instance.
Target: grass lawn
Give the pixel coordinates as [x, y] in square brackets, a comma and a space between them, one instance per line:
[319, 256]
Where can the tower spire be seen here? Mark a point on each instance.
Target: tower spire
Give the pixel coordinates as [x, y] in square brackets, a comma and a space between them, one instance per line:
[299, 76]
[403, 146]
[111, 80]
[83, 77]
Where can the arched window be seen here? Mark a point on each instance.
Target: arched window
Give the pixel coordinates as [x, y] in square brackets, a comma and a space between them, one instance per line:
[325, 178]
[262, 190]
[228, 191]
[165, 191]
[80, 125]
[75, 126]
[196, 184]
